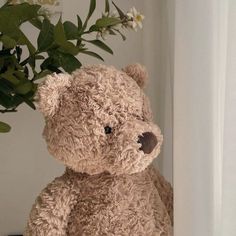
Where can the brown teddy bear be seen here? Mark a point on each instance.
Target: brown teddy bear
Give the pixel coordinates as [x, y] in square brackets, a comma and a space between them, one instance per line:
[99, 124]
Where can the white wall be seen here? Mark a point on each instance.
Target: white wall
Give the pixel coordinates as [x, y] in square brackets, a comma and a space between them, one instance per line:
[26, 166]
[228, 226]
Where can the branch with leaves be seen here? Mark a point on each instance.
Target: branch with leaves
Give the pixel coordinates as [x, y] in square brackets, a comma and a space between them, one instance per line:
[58, 47]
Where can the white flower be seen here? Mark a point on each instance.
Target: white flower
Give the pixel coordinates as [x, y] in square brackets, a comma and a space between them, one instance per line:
[135, 19]
[105, 31]
[46, 12]
[112, 14]
[117, 26]
[105, 14]
[103, 34]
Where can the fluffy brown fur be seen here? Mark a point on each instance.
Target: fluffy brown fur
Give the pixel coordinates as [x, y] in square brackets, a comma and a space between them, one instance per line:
[99, 124]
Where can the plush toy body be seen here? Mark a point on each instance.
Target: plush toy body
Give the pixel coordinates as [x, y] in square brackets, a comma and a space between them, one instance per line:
[99, 124]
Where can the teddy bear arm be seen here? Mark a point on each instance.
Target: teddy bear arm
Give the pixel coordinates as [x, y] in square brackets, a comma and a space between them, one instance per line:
[49, 214]
[164, 188]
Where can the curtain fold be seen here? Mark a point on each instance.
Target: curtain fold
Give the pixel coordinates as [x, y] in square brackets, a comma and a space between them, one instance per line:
[229, 137]
[201, 68]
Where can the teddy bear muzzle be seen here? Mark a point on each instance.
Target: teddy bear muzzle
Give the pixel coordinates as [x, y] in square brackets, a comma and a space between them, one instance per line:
[148, 141]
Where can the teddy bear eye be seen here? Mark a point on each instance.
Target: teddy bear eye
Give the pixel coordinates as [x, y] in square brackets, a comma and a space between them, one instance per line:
[108, 130]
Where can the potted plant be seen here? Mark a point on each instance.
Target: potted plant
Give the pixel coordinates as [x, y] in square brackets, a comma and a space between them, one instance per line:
[58, 48]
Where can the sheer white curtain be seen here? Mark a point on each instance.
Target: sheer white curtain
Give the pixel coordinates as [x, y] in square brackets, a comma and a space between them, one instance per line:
[229, 151]
[204, 117]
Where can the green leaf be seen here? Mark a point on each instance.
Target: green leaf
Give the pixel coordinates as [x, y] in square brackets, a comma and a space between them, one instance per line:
[8, 75]
[6, 87]
[7, 101]
[94, 28]
[36, 22]
[46, 36]
[70, 63]
[51, 63]
[71, 30]
[18, 66]
[80, 26]
[18, 53]
[42, 74]
[12, 16]
[24, 88]
[8, 98]
[28, 102]
[107, 21]
[26, 71]
[59, 33]
[122, 35]
[69, 47]
[101, 45]
[1, 63]
[107, 6]
[39, 57]
[20, 75]
[11, 79]
[79, 22]
[61, 40]
[7, 41]
[121, 13]
[91, 10]
[19, 14]
[58, 59]
[93, 54]
[32, 61]
[4, 127]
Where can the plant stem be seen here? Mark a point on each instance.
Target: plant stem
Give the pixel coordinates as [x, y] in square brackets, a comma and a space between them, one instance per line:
[6, 110]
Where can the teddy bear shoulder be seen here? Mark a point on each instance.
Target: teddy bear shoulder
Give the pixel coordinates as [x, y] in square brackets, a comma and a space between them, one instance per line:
[106, 201]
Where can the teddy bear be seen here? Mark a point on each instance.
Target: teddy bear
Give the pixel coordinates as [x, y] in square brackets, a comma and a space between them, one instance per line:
[99, 125]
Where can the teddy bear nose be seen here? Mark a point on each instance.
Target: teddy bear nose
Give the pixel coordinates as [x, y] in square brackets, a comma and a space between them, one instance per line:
[148, 141]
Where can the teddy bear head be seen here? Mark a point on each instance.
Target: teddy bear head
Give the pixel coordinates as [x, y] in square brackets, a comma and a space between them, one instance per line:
[98, 119]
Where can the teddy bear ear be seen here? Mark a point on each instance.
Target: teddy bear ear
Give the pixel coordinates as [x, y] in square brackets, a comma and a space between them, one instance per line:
[49, 92]
[138, 73]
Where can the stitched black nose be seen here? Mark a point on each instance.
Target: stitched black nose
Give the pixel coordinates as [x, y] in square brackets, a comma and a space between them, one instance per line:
[148, 141]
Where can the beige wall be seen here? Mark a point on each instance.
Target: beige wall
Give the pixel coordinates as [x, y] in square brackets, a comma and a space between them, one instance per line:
[26, 166]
